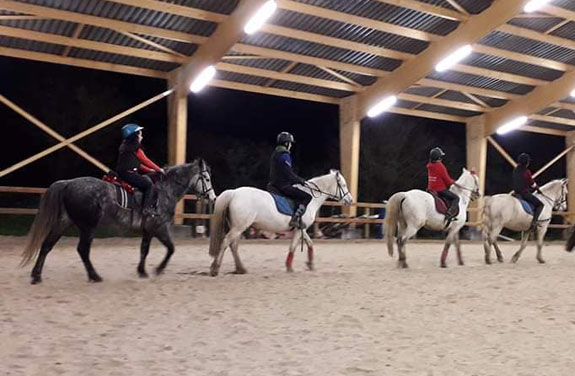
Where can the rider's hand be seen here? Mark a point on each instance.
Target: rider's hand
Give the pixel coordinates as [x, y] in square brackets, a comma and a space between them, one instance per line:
[162, 171]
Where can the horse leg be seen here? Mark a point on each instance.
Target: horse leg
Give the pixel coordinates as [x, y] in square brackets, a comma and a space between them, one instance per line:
[540, 236]
[144, 249]
[86, 237]
[458, 249]
[164, 237]
[309, 263]
[487, 250]
[47, 246]
[401, 242]
[524, 238]
[292, 247]
[443, 262]
[498, 252]
[239, 266]
[228, 239]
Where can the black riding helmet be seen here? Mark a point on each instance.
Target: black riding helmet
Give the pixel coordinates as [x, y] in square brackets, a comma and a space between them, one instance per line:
[524, 159]
[436, 154]
[285, 137]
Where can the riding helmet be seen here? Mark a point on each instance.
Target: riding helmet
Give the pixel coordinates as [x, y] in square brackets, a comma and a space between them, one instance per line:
[524, 159]
[284, 138]
[436, 154]
[129, 130]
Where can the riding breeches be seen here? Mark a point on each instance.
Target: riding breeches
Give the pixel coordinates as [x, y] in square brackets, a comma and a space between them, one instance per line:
[142, 182]
[535, 202]
[301, 197]
[452, 198]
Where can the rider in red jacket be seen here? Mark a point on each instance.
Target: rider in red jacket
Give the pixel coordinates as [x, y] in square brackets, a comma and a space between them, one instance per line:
[438, 180]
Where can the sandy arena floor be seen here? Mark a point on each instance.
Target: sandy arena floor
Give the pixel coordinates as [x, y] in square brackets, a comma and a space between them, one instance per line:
[356, 315]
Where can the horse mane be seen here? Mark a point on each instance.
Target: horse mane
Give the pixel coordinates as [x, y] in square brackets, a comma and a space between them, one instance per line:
[551, 184]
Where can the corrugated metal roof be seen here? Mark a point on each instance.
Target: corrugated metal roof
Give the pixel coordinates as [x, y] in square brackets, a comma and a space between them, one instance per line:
[481, 82]
[529, 47]
[126, 13]
[566, 31]
[422, 90]
[269, 64]
[29, 45]
[406, 104]
[321, 51]
[491, 102]
[456, 96]
[43, 26]
[345, 31]
[472, 6]
[314, 72]
[566, 114]
[122, 59]
[242, 78]
[501, 64]
[310, 89]
[359, 78]
[389, 13]
[104, 35]
[219, 6]
[537, 24]
[545, 124]
[567, 4]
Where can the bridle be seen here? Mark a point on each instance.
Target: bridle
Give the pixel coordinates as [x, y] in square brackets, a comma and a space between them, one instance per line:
[560, 200]
[341, 193]
[475, 194]
[202, 180]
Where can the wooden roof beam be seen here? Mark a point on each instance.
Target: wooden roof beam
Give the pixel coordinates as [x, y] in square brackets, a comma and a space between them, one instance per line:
[415, 69]
[433, 10]
[220, 42]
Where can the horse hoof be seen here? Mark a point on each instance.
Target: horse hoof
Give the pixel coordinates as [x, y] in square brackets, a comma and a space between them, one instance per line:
[402, 265]
[487, 262]
[96, 279]
[289, 269]
[143, 275]
[443, 265]
[36, 280]
[213, 272]
[310, 266]
[500, 260]
[514, 259]
[240, 271]
[461, 264]
[541, 261]
[159, 271]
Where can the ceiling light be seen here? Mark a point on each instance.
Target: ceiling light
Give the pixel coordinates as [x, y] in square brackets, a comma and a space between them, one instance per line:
[534, 5]
[454, 58]
[203, 79]
[512, 125]
[261, 16]
[382, 106]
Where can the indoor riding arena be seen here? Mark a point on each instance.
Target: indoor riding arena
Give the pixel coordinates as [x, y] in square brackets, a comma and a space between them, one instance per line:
[79, 293]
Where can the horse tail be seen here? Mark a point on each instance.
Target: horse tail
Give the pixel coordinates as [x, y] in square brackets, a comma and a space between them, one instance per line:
[392, 214]
[218, 223]
[47, 217]
[486, 218]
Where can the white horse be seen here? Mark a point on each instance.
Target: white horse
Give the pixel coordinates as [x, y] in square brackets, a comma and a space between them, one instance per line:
[246, 206]
[504, 210]
[408, 212]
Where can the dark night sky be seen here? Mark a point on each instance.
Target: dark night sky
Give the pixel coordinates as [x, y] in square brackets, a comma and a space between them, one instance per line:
[233, 131]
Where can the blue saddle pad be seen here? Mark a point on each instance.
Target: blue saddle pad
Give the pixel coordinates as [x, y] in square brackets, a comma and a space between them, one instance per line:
[283, 204]
[526, 206]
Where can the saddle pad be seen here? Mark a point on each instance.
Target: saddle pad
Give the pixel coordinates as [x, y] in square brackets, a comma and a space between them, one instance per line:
[127, 200]
[440, 204]
[283, 204]
[526, 206]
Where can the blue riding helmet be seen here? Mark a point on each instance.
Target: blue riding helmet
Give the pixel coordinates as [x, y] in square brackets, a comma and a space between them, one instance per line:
[129, 129]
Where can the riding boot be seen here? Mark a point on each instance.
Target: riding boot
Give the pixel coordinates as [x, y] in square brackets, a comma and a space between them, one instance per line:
[535, 220]
[450, 215]
[295, 221]
[147, 204]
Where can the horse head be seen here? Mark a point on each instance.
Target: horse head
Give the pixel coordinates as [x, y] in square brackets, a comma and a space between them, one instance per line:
[342, 193]
[195, 176]
[469, 181]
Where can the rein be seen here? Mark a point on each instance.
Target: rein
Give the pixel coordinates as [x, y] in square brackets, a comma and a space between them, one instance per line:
[340, 191]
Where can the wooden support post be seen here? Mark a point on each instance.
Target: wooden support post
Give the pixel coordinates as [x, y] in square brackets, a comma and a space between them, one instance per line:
[177, 131]
[477, 159]
[349, 134]
[569, 142]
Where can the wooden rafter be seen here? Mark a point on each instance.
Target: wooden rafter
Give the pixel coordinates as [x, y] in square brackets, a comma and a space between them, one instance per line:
[497, 75]
[220, 42]
[52, 132]
[338, 75]
[285, 69]
[181, 10]
[286, 77]
[427, 114]
[152, 44]
[117, 68]
[83, 134]
[433, 10]
[88, 44]
[440, 102]
[440, 92]
[457, 6]
[416, 69]
[17, 17]
[553, 119]
[274, 91]
[558, 26]
[553, 161]
[470, 89]
[476, 100]
[76, 35]
[47, 12]
[502, 151]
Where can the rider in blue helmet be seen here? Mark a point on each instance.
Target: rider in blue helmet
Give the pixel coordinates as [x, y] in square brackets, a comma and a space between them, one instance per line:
[133, 162]
[283, 179]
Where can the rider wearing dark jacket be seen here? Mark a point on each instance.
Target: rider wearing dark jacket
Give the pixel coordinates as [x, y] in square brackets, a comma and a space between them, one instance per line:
[524, 186]
[283, 179]
[132, 161]
[438, 180]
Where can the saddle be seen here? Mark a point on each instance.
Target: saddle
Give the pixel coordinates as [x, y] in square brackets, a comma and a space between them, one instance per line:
[441, 205]
[524, 204]
[127, 196]
[284, 205]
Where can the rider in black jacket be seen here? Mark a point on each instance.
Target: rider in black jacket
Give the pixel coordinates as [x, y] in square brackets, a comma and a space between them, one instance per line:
[283, 179]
